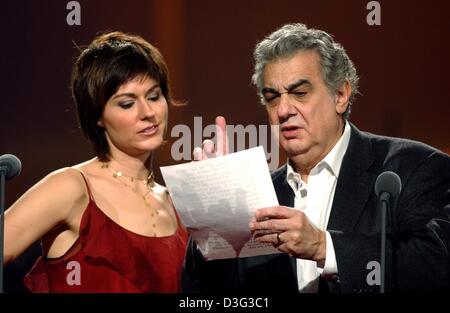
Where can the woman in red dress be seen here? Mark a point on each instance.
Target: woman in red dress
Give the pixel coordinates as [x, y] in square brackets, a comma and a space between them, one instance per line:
[105, 224]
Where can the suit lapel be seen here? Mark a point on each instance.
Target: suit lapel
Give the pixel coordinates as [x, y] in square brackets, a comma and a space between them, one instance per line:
[285, 197]
[284, 192]
[354, 185]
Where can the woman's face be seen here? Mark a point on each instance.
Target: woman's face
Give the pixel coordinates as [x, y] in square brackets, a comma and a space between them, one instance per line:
[135, 117]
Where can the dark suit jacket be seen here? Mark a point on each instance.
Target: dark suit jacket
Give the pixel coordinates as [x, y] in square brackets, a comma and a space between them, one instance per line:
[418, 226]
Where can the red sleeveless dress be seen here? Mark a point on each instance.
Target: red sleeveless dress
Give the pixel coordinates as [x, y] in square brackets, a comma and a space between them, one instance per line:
[108, 258]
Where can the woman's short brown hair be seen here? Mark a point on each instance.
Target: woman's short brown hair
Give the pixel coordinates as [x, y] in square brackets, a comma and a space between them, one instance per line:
[112, 59]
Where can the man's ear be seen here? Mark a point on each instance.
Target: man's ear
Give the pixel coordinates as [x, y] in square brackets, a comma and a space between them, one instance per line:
[342, 96]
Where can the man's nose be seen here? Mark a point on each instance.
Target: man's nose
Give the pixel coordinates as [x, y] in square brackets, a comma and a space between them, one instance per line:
[285, 107]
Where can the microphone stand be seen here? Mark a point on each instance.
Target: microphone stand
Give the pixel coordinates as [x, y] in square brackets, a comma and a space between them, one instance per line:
[384, 199]
[387, 186]
[2, 224]
[9, 167]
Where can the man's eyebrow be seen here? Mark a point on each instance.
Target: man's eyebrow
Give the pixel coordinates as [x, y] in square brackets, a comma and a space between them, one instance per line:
[269, 90]
[132, 95]
[298, 83]
[289, 88]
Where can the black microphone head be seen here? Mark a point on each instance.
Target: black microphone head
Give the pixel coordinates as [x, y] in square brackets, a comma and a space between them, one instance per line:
[388, 182]
[10, 165]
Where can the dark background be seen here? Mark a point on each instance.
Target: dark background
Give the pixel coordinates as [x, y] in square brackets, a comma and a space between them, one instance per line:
[403, 65]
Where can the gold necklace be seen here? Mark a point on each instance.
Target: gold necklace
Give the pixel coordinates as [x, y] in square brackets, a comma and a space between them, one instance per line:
[149, 182]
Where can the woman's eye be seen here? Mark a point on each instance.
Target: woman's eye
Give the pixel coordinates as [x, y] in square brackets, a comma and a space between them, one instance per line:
[154, 97]
[126, 105]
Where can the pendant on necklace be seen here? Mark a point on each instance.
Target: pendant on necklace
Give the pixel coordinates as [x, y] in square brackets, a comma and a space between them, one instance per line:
[117, 174]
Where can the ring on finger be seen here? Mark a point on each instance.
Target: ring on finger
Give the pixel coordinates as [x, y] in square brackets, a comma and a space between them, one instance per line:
[279, 241]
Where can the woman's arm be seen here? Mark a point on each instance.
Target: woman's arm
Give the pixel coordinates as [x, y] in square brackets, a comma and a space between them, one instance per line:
[47, 204]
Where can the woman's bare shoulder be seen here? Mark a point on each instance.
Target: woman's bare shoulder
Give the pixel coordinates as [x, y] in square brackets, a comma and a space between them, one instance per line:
[66, 183]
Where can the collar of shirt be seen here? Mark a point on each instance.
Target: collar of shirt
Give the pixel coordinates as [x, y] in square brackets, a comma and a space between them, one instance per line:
[332, 162]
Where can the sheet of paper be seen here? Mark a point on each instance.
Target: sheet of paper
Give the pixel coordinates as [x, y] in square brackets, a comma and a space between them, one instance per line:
[216, 199]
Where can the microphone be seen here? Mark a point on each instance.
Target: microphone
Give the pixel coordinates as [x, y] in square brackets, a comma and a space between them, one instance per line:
[387, 187]
[10, 166]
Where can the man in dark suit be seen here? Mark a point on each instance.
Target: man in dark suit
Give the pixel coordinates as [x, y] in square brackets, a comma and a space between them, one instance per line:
[328, 221]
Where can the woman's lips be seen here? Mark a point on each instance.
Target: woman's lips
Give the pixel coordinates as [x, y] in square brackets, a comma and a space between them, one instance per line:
[148, 131]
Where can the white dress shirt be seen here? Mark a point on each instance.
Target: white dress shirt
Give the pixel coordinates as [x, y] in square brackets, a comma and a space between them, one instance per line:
[315, 199]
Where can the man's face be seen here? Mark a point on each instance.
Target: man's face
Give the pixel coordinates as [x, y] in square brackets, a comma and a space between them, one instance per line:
[298, 100]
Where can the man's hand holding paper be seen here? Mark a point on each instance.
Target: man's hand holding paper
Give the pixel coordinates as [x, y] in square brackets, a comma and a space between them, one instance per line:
[217, 198]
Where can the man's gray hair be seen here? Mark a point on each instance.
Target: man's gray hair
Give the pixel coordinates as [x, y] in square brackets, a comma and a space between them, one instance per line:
[291, 38]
